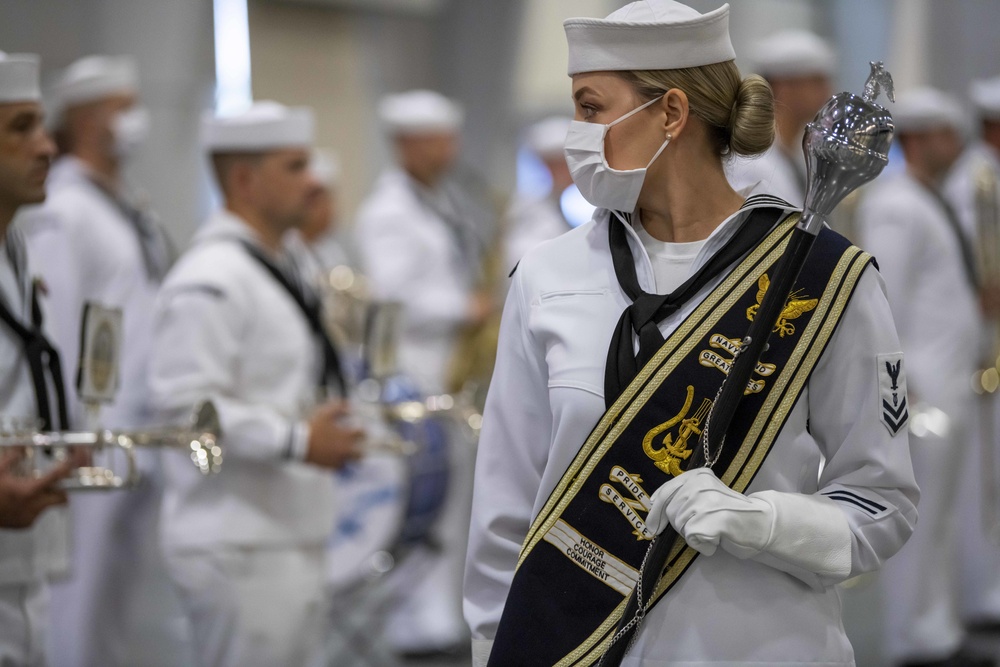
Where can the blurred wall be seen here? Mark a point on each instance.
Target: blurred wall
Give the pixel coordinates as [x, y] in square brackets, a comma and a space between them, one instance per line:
[341, 57]
[303, 55]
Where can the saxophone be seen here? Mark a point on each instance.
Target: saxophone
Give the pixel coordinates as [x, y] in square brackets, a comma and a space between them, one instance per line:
[471, 365]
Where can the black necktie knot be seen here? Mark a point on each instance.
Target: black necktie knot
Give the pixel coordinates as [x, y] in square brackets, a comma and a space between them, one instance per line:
[647, 310]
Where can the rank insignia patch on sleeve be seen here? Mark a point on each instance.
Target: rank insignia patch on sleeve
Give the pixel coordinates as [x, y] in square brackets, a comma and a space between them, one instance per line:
[892, 391]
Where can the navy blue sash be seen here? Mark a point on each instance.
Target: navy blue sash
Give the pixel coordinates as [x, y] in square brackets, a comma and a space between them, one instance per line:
[583, 551]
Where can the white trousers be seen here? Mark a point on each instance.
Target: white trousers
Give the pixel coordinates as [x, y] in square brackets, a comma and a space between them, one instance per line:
[427, 614]
[978, 546]
[919, 584]
[118, 607]
[23, 617]
[252, 606]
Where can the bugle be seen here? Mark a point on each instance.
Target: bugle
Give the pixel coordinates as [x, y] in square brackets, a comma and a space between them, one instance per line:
[199, 438]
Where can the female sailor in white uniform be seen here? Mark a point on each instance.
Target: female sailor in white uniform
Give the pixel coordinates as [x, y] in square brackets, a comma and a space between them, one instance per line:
[658, 102]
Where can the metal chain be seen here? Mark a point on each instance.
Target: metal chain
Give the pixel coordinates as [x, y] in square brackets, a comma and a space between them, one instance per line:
[640, 612]
[709, 459]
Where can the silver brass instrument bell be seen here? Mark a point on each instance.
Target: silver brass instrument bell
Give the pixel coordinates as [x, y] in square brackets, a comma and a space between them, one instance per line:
[199, 439]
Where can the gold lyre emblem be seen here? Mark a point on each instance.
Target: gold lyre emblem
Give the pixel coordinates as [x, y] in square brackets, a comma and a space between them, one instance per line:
[668, 457]
[794, 308]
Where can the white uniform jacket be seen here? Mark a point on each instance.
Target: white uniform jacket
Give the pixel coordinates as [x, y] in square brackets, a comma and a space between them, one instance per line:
[31, 554]
[411, 255]
[530, 221]
[934, 306]
[87, 250]
[547, 395]
[227, 331]
[773, 170]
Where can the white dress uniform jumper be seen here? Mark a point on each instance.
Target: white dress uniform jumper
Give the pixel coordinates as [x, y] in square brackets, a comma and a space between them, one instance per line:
[245, 548]
[90, 245]
[549, 392]
[412, 252]
[978, 543]
[28, 557]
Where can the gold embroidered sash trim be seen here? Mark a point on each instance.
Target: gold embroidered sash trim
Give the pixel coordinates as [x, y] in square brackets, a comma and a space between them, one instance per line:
[591, 552]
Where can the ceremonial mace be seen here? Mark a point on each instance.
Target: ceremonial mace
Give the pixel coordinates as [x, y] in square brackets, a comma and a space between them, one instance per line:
[845, 146]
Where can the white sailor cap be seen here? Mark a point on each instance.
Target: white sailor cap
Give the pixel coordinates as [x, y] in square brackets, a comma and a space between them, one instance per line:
[921, 109]
[419, 112]
[263, 127]
[985, 94]
[19, 78]
[93, 78]
[792, 53]
[547, 137]
[325, 167]
[649, 35]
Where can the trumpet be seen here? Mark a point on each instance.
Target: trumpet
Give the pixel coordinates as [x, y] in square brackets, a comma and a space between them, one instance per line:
[200, 438]
[370, 329]
[346, 305]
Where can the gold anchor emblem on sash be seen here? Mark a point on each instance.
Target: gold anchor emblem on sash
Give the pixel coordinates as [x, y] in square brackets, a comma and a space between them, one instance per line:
[794, 308]
[669, 457]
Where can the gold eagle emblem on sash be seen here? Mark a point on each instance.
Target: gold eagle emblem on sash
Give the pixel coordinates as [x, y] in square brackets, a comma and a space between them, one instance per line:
[794, 308]
[668, 457]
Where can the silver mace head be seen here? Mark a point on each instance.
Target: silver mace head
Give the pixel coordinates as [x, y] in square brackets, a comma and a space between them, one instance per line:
[847, 144]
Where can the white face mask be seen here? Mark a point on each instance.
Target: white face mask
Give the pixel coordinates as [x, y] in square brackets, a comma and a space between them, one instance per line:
[601, 185]
[130, 129]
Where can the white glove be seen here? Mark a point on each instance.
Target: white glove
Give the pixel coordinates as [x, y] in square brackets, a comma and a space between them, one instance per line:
[704, 511]
[806, 536]
[481, 649]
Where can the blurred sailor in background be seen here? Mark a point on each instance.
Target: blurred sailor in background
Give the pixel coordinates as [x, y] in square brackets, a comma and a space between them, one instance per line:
[94, 241]
[32, 540]
[319, 245]
[798, 65]
[926, 263]
[983, 152]
[972, 189]
[413, 245]
[537, 218]
[418, 246]
[236, 324]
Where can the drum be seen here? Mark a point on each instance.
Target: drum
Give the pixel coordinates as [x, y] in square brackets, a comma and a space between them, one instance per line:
[388, 503]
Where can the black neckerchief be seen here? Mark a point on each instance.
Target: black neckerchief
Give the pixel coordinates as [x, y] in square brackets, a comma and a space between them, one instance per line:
[157, 253]
[41, 354]
[309, 304]
[968, 257]
[469, 244]
[647, 310]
